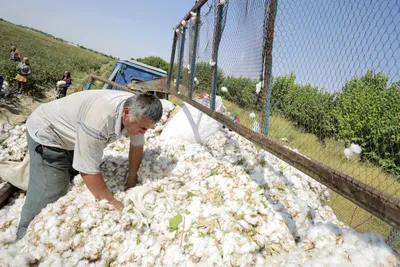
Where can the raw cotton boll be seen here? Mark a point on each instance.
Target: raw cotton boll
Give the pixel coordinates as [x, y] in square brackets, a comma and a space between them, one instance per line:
[355, 148]
[177, 31]
[251, 220]
[196, 81]
[224, 89]
[184, 23]
[348, 153]
[259, 86]
[188, 67]
[212, 63]
[193, 14]
[252, 115]
[244, 225]
[221, 2]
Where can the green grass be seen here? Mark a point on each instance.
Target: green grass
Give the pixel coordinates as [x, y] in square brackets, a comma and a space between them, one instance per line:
[330, 153]
[49, 58]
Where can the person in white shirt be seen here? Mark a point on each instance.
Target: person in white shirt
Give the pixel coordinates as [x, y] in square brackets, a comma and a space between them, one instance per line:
[68, 135]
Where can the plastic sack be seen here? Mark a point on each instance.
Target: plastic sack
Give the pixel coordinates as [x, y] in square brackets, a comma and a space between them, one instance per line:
[191, 125]
[167, 105]
[16, 173]
[61, 83]
[4, 89]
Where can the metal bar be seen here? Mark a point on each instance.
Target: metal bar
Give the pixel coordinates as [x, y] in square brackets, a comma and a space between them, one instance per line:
[269, 40]
[93, 78]
[89, 83]
[198, 5]
[156, 85]
[193, 63]
[379, 203]
[266, 128]
[6, 191]
[171, 61]
[178, 78]
[214, 68]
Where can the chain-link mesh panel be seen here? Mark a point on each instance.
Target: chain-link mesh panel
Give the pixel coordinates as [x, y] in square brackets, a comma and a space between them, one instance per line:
[335, 94]
[361, 220]
[335, 91]
[240, 63]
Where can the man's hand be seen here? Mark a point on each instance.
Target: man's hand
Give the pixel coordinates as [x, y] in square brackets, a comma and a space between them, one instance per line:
[95, 183]
[117, 204]
[131, 182]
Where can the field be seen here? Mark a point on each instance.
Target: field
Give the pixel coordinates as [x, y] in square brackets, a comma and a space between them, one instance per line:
[49, 59]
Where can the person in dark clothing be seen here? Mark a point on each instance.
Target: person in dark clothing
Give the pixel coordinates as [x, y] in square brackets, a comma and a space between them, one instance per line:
[62, 88]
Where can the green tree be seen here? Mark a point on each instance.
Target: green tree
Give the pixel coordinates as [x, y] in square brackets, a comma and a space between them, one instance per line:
[154, 61]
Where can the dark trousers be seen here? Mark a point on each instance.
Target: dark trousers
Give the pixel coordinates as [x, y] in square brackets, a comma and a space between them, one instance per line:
[50, 174]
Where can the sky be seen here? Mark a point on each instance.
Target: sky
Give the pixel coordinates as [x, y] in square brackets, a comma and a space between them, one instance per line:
[124, 28]
[325, 43]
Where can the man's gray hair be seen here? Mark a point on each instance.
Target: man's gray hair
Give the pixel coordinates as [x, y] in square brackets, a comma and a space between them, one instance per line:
[144, 105]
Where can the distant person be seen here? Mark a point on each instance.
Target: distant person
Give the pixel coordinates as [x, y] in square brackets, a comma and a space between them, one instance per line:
[24, 69]
[15, 56]
[63, 84]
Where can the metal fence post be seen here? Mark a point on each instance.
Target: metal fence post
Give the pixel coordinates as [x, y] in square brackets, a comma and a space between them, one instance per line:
[269, 40]
[89, 83]
[171, 61]
[192, 64]
[178, 78]
[214, 59]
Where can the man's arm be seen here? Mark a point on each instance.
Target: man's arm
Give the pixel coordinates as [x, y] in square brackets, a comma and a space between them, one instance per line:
[95, 183]
[135, 157]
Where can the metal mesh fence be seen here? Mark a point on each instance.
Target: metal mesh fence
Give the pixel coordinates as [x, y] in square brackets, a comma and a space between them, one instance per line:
[335, 90]
[335, 94]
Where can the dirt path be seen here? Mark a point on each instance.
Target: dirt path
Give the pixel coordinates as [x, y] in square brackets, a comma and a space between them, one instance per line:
[15, 109]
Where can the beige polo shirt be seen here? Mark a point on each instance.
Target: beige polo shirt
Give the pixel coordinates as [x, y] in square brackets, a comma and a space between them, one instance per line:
[85, 122]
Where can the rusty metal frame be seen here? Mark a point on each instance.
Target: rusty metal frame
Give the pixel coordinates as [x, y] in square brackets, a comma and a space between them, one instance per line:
[156, 85]
[193, 63]
[6, 191]
[181, 55]
[214, 57]
[172, 59]
[268, 42]
[198, 5]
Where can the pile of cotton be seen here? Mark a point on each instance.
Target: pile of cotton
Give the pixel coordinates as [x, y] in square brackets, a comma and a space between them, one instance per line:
[218, 204]
[15, 146]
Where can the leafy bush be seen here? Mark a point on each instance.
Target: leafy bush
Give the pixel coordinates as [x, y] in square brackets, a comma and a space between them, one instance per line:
[367, 113]
[307, 107]
[241, 91]
[203, 74]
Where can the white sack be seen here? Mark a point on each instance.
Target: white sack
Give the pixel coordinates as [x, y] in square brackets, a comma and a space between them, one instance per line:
[191, 125]
[16, 173]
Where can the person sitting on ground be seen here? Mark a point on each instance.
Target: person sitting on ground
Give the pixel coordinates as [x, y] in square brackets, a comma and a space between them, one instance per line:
[61, 92]
[15, 56]
[69, 135]
[24, 69]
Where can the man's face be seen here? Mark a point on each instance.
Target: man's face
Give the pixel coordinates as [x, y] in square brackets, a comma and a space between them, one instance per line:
[136, 127]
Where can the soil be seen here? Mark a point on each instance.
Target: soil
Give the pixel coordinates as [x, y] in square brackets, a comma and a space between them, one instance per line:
[15, 109]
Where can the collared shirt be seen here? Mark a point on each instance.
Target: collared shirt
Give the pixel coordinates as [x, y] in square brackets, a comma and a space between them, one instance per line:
[85, 122]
